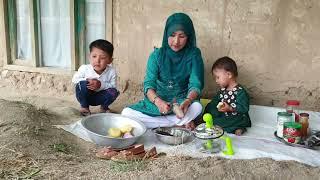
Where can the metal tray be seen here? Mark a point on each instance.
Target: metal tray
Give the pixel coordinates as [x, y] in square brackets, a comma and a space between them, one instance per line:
[301, 144]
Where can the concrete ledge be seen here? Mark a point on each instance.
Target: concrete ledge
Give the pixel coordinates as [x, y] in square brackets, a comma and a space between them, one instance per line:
[45, 70]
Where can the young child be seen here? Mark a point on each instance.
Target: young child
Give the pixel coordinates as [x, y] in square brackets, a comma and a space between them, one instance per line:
[96, 82]
[230, 106]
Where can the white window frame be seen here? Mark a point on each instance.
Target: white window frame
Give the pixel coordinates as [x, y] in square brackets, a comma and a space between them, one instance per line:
[77, 43]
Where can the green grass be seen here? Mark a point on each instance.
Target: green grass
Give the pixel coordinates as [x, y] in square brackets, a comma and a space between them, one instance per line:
[127, 166]
[60, 147]
[30, 174]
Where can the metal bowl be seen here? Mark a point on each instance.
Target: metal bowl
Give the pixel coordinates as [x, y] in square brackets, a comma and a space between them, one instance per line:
[173, 135]
[97, 126]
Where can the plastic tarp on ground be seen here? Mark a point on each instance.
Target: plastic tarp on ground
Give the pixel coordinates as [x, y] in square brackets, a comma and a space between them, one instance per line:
[257, 142]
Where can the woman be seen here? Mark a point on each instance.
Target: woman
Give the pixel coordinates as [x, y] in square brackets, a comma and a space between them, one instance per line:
[174, 74]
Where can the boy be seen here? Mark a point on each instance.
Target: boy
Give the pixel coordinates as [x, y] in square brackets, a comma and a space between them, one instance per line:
[96, 82]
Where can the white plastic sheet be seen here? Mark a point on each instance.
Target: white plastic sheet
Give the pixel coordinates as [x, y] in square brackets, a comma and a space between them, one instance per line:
[258, 142]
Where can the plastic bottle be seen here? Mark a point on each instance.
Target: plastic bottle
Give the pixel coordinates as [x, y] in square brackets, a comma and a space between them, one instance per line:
[281, 119]
[304, 121]
[293, 107]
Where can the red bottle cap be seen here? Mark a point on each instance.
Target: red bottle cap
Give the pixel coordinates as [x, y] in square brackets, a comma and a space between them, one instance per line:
[293, 103]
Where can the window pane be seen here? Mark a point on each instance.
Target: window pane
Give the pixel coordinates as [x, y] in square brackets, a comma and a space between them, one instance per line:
[24, 49]
[55, 33]
[95, 21]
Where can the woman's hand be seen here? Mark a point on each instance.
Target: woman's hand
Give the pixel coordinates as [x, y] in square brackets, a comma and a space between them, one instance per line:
[226, 108]
[185, 105]
[163, 106]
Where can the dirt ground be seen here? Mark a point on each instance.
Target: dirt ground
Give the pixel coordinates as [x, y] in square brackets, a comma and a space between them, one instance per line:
[30, 147]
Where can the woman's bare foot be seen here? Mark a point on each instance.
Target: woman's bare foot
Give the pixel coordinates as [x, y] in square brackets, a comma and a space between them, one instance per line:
[190, 125]
[85, 111]
[176, 126]
[239, 132]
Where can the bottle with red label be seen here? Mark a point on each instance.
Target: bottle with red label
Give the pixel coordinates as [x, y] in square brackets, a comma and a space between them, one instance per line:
[293, 107]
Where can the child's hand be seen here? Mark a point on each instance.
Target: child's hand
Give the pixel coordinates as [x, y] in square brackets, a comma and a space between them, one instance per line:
[226, 108]
[93, 84]
[163, 106]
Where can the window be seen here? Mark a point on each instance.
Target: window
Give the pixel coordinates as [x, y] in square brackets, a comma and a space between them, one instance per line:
[55, 33]
[95, 22]
[23, 30]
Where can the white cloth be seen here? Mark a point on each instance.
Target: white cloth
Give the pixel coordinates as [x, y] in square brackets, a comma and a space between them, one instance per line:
[24, 49]
[55, 33]
[164, 121]
[108, 77]
[257, 142]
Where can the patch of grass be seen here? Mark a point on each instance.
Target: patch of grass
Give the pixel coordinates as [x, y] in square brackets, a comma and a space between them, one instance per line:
[127, 166]
[19, 168]
[30, 174]
[60, 147]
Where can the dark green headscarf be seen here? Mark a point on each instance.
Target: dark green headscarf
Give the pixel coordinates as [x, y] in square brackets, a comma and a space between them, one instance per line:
[172, 63]
[176, 22]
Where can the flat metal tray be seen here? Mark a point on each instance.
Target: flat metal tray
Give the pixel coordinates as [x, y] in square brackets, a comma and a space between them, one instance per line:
[301, 144]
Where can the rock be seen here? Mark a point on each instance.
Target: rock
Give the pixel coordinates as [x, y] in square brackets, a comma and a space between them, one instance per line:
[38, 80]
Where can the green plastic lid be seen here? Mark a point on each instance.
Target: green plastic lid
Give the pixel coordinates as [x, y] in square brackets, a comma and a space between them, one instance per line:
[292, 125]
[284, 114]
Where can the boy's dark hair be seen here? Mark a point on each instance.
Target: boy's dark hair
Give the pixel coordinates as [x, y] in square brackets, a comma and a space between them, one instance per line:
[102, 44]
[227, 64]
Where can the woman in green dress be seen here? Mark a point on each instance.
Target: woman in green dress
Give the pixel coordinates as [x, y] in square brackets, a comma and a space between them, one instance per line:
[230, 106]
[174, 74]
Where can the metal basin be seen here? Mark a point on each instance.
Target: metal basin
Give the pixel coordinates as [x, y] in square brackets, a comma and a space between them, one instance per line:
[173, 135]
[97, 126]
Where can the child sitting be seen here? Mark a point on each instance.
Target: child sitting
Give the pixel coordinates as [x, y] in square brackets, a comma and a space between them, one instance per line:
[96, 82]
[230, 106]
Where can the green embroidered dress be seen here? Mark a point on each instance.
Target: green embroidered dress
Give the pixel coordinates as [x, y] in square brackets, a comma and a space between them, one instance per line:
[238, 99]
[173, 74]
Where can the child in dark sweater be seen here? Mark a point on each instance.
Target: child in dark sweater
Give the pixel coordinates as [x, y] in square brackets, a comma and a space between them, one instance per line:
[230, 105]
